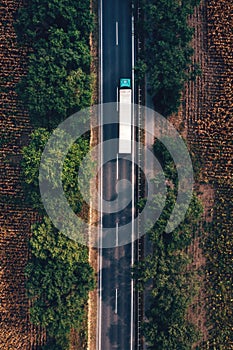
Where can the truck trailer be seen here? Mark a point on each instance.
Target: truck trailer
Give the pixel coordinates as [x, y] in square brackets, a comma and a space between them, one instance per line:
[125, 111]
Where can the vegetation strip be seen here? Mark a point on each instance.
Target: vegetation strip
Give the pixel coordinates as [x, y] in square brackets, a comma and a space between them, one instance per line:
[58, 82]
[171, 286]
[166, 57]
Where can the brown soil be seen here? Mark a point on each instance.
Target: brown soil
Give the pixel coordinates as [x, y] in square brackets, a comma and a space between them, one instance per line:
[16, 218]
[205, 119]
[93, 254]
[92, 305]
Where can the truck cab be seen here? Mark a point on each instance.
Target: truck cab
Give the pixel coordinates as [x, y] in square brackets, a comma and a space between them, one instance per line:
[125, 83]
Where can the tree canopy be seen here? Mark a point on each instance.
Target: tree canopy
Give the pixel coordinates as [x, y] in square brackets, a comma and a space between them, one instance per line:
[165, 268]
[58, 81]
[58, 273]
[166, 57]
[70, 179]
[59, 278]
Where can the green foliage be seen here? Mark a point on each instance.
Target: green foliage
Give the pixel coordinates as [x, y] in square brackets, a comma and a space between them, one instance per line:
[58, 281]
[31, 163]
[59, 276]
[140, 70]
[167, 52]
[58, 81]
[165, 269]
[35, 20]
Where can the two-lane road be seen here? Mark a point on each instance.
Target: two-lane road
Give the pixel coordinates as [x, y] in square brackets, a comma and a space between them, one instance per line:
[115, 311]
[117, 46]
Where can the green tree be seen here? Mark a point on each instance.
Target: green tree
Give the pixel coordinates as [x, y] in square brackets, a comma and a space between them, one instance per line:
[59, 278]
[58, 82]
[167, 53]
[70, 179]
[172, 286]
[35, 19]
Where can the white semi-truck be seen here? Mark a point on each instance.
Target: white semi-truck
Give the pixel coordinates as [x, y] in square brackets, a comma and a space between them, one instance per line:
[125, 111]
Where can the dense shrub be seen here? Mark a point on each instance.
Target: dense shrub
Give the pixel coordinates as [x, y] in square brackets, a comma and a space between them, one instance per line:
[59, 278]
[172, 285]
[58, 81]
[166, 57]
[71, 184]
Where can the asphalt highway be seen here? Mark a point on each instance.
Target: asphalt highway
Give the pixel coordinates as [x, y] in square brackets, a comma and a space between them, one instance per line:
[115, 311]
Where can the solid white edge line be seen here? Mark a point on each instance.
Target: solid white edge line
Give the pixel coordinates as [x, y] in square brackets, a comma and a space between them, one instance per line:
[132, 235]
[117, 99]
[117, 168]
[116, 302]
[99, 313]
[116, 33]
[117, 234]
